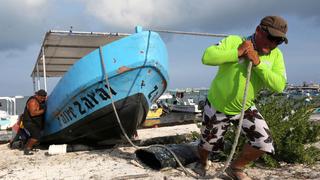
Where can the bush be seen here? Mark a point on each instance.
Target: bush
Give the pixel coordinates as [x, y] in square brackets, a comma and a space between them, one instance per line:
[288, 120]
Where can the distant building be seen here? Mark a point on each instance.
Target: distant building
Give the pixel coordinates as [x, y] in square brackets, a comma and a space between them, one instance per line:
[303, 91]
[20, 104]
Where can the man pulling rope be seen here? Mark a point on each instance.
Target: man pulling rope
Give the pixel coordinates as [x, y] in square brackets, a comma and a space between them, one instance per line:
[223, 104]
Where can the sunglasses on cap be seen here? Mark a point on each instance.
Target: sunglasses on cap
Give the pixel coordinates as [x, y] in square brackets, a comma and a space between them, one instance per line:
[277, 40]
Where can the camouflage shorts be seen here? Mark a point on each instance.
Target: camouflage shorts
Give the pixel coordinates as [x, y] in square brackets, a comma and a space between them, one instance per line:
[215, 124]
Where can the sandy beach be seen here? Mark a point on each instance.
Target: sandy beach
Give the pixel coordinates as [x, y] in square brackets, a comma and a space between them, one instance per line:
[120, 162]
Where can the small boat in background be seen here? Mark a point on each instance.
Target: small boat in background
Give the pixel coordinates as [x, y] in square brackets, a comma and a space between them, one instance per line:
[80, 107]
[176, 102]
[153, 116]
[185, 107]
[316, 110]
[315, 116]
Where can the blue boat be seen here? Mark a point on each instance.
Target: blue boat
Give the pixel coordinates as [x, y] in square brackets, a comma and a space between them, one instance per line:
[79, 108]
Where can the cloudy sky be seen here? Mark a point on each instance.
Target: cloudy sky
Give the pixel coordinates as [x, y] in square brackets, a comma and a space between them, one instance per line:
[23, 24]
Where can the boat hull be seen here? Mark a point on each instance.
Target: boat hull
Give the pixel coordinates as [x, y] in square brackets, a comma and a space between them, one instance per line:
[184, 108]
[101, 126]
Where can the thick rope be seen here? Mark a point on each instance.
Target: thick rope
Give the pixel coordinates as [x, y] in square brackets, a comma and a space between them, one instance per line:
[235, 143]
[236, 139]
[124, 131]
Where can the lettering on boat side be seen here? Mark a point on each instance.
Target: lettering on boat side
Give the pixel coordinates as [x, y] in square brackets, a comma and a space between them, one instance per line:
[84, 103]
[154, 90]
[153, 94]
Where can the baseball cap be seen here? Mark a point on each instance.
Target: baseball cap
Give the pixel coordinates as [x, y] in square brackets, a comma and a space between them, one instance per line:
[276, 26]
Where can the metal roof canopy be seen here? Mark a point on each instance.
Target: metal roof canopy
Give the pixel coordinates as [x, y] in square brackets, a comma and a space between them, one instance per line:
[61, 49]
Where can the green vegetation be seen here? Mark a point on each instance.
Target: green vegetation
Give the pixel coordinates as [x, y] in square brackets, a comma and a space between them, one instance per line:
[291, 129]
[288, 120]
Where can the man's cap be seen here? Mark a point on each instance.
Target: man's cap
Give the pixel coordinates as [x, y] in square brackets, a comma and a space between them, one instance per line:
[276, 26]
[41, 92]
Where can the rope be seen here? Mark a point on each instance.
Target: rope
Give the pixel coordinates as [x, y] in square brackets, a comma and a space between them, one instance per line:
[190, 33]
[236, 139]
[123, 130]
[235, 143]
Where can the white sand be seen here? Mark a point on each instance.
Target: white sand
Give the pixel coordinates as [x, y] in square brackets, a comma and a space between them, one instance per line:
[120, 163]
[99, 164]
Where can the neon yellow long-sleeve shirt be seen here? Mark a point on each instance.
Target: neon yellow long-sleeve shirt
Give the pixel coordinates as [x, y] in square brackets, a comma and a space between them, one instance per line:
[227, 88]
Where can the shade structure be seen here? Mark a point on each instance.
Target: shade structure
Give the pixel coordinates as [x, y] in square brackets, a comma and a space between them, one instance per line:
[61, 49]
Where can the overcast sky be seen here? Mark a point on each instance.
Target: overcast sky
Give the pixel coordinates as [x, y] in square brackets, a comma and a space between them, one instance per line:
[24, 23]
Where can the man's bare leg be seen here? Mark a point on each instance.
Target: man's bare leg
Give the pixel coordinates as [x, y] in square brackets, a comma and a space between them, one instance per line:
[31, 142]
[202, 166]
[247, 155]
[203, 155]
